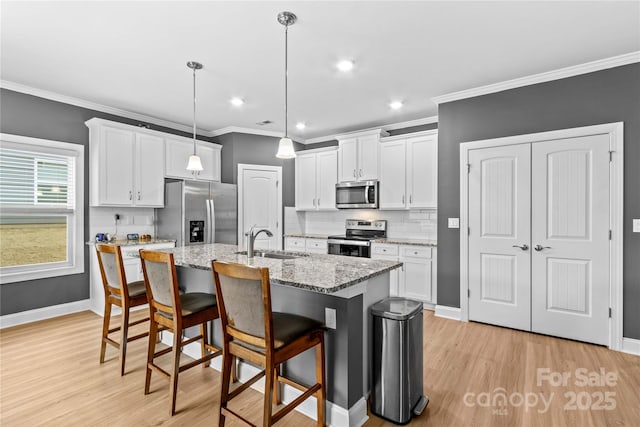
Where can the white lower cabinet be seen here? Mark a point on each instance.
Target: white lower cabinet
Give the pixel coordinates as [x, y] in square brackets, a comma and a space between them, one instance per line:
[301, 244]
[316, 246]
[390, 253]
[416, 279]
[132, 269]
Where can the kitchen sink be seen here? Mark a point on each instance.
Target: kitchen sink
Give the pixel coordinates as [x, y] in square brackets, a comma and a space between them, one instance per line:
[275, 255]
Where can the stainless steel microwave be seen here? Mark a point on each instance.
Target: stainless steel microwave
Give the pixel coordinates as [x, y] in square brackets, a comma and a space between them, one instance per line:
[357, 195]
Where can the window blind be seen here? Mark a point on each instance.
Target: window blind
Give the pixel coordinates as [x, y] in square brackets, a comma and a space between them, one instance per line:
[36, 179]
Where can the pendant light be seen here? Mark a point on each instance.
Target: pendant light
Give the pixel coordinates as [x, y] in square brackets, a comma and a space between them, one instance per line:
[194, 160]
[285, 147]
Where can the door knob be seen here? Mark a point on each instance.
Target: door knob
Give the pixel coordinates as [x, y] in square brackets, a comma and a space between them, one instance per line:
[539, 248]
[523, 247]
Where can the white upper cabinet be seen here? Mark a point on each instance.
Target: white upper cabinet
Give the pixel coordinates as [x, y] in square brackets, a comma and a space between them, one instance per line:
[305, 182]
[348, 160]
[326, 179]
[358, 156]
[126, 165]
[409, 171]
[422, 171]
[368, 157]
[150, 171]
[316, 177]
[392, 175]
[177, 155]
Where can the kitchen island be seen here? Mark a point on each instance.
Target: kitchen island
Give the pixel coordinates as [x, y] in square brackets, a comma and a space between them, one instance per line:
[309, 285]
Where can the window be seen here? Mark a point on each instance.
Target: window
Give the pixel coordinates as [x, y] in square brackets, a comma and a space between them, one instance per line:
[41, 208]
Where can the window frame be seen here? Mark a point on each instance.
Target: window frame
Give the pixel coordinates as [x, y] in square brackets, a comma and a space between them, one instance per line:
[75, 216]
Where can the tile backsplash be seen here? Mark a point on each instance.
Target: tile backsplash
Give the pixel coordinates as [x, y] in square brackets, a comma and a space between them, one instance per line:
[418, 224]
[132, 220]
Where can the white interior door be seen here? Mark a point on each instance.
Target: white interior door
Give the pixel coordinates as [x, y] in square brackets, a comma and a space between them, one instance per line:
[499, 239]
[260, 204]
[570, 237]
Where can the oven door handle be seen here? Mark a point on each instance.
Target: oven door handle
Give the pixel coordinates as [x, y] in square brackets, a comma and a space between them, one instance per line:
[348, 242]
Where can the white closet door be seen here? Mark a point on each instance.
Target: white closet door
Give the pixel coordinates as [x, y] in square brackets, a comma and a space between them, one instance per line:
[499, 221]
[570, 220]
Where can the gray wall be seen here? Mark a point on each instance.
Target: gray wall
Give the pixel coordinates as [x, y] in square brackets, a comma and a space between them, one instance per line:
[256, 150]
[602, 97]
[41, 118]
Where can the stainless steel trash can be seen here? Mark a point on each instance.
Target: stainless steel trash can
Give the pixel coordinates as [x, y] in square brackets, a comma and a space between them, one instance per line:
[397, 360]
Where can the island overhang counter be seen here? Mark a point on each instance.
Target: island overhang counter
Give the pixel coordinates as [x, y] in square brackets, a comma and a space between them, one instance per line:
[309, 285]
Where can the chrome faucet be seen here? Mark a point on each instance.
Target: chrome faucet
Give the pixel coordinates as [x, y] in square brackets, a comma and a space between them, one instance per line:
[252, 238]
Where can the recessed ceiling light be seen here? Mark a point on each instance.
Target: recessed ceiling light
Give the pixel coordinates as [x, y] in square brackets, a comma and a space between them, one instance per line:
[395, 105]
[237, 101]
[345, 66]
[300, 126]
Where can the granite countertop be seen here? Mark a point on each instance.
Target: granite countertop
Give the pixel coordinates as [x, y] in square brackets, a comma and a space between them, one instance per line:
[308, 236]
[326, 274]
[400, 241]
[125, 242]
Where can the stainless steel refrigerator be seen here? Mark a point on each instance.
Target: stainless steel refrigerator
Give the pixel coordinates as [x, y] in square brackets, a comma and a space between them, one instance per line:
[198, 212]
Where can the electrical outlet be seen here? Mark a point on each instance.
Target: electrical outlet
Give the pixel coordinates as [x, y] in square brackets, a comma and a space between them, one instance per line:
[116, 217]
[330, 317]
[636, 225]
[454, 222]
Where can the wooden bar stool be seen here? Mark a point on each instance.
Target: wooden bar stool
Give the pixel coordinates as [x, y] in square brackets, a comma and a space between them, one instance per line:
[176, 312]
[119, 293]
[251, 331]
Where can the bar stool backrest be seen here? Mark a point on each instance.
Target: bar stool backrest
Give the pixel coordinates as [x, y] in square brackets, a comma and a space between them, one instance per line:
[111, 269]
[244, 302]
[161, 281]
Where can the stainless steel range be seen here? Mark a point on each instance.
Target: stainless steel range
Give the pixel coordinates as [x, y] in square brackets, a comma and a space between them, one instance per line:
[358, 237]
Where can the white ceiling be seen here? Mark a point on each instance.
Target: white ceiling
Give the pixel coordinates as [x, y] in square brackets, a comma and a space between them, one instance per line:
[132, 55]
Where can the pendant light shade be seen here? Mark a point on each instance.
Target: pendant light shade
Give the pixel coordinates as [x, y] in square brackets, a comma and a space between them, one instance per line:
[285, 149]
[285, 146]
[194, 163]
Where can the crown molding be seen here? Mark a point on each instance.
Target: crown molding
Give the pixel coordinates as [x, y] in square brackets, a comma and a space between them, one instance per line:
[411, 123]
[561, 73]
[53, 96]
[392, 126]
[238, 129]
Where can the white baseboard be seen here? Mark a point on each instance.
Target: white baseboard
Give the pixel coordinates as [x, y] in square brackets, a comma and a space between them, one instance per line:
[15, 319]
[631, 346]
[452, 313]
[428, 306]
[337, 416]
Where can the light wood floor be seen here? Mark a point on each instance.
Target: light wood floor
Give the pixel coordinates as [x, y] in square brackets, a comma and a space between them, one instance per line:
[50, 375]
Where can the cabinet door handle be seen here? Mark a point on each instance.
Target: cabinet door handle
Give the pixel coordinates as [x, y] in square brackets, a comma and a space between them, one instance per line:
[318, 201]
[360, 172]
[130, 195]
[403, 199]
[523, 247]
[540, 248]
[410, 198]
[354, 173]
[138, 195]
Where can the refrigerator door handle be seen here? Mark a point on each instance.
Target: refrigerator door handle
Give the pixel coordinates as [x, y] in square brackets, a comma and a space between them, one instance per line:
[212, 221]
[208, 222]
